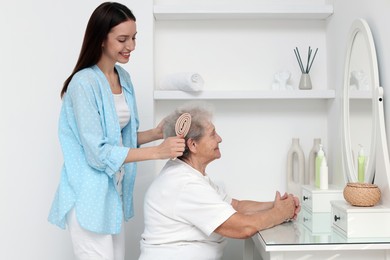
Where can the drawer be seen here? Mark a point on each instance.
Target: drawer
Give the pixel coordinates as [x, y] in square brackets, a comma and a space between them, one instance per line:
[339, 219]
[317, 223]
[317, 200]
[307, 199]
[361, 222]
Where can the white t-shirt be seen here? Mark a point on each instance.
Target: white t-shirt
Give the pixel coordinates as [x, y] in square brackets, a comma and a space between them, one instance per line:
[122, 109]
[123, 112]
[182, 209]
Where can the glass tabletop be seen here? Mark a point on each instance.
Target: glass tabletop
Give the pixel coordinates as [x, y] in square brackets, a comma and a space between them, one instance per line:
[312, 229]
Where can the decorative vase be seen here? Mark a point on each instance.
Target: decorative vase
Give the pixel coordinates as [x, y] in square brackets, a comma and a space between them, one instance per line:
[310, 174]
[305, 82]
[295, 168]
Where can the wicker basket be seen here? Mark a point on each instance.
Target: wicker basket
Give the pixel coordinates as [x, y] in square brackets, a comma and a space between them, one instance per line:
[362, 194]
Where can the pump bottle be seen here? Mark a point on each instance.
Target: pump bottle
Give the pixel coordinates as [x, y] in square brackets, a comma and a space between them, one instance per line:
[324, 175]
[320, 156]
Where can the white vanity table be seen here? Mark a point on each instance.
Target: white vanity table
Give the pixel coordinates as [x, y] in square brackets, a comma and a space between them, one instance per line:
[294, 240]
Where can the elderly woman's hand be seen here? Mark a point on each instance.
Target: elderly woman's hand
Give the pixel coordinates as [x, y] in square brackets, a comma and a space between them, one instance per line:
[285, 207]
[297, 206]
[171, 147]
[296, 201]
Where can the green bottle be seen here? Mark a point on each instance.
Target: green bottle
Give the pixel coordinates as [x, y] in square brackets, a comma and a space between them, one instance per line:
[361, 164]
[319, 157]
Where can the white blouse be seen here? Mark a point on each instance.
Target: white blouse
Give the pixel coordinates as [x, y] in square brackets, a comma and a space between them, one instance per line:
[123, 112]
[122, 109]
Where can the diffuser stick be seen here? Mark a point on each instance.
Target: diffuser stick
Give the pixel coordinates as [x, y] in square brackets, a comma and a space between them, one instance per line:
[315, 53]
[308, 60]
[299, 60]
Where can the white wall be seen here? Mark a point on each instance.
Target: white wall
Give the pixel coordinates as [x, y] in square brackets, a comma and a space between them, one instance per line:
[244, 55]
[38, 48]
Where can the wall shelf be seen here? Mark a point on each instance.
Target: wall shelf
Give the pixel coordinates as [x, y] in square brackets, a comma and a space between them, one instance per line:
[239, 95]
[256, 11]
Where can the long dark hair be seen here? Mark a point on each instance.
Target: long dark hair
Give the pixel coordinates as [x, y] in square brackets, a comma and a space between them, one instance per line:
[105, 16]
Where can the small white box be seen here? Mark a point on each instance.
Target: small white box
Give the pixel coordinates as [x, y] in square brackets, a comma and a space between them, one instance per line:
[317, 200]
[360, 222]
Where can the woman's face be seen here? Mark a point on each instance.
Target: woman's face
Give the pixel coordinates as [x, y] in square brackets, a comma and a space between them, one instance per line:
[207, 146]
[120, 42]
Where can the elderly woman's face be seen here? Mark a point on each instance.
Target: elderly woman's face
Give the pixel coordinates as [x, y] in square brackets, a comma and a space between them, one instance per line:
[207, 148]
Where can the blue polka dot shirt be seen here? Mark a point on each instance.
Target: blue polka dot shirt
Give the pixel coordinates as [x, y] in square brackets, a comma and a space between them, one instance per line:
[90, 134]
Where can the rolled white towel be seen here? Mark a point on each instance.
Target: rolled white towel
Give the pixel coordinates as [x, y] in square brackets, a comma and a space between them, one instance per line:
[185, 81]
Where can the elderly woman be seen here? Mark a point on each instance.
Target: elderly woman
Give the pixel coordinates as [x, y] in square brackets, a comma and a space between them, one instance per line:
[187, 216]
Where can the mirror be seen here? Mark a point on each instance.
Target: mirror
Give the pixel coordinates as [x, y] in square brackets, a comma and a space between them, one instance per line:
[359, 112]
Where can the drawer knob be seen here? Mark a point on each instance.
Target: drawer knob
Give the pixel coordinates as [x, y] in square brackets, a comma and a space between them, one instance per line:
[305, 198]
[336, 218]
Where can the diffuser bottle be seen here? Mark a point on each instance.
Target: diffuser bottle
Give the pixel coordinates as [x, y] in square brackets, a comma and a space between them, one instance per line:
[361, 164]
[320, 156]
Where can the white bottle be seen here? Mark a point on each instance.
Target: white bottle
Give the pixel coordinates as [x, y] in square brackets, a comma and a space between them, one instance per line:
[324, 175]
[320, 156]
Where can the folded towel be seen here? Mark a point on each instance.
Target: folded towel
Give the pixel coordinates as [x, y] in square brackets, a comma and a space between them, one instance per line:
[185, 81]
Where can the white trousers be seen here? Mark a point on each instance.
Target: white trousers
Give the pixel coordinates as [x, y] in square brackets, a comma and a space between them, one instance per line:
[89, 245]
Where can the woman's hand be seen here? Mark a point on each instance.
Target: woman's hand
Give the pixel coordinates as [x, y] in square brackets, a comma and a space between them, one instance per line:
[296, 202]
[297, 207]
[285, 207]
[171, 147]
[159, 129]
[151, 135]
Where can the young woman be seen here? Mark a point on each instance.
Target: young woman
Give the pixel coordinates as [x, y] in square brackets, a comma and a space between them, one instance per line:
[98, 132]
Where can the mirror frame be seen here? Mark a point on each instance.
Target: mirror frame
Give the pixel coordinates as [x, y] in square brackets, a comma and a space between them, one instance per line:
[350, 171]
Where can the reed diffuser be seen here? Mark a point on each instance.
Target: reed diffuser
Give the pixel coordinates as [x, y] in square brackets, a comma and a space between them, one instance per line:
[305, 82]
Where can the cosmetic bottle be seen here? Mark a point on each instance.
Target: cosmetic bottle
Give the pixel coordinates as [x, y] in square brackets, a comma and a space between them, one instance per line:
[320, 156]
[324, 174]
[361, 164]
